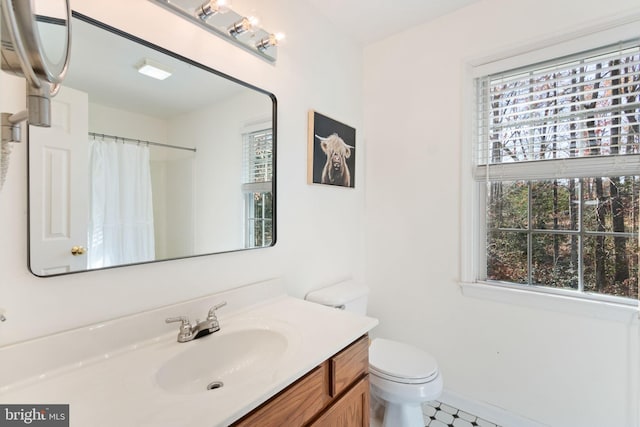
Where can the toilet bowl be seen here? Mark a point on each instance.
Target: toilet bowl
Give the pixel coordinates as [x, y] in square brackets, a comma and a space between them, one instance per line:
[402, 377]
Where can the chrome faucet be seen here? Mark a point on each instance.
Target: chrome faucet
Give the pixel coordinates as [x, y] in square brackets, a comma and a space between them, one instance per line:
[190, 332]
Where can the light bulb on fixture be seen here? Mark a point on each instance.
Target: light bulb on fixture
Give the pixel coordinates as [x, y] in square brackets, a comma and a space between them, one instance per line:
[267, 42]
[207, 10]
[243, 25]
[212, 7]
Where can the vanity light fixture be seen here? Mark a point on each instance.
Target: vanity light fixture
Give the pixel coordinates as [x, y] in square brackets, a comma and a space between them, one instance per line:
[217, 17]
[153, 69]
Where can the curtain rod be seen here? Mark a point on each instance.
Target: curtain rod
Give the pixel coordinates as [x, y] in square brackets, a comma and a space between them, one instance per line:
[139, 141]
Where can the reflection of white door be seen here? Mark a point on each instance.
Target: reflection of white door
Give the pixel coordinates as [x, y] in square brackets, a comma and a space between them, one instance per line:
[58, 189]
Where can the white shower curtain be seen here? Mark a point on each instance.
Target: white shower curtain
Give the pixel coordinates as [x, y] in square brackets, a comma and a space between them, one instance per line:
[121, 209]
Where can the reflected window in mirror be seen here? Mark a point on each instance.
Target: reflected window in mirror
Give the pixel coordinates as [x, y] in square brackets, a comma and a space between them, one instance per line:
[257, 186]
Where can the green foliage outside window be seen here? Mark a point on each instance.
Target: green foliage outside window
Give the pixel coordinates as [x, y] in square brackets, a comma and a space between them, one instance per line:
[552, 233]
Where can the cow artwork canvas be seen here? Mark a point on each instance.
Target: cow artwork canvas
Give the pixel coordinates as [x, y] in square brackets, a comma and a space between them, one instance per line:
[331, 152]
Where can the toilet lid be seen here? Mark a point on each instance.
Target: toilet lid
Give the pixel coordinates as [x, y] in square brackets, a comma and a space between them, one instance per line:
[401, 362]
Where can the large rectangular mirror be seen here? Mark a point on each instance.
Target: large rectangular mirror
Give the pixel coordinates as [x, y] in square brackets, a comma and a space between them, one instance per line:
[139, 169]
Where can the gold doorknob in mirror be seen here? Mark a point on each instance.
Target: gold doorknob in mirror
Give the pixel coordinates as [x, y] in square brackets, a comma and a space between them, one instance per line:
[77, 250]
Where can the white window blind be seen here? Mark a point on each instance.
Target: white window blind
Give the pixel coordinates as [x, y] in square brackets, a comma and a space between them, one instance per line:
[576, 116]
[258, 160]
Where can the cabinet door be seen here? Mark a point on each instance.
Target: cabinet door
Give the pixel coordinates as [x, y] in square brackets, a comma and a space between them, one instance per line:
[351, 410]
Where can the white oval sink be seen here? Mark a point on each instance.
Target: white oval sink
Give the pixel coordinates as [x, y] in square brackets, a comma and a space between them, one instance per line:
[227, 357]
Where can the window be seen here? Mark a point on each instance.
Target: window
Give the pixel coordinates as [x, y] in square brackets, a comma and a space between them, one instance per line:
[557, 164]
[257, 187]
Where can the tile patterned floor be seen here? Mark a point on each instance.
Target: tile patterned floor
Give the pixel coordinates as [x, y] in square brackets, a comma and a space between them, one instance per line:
[437, 414]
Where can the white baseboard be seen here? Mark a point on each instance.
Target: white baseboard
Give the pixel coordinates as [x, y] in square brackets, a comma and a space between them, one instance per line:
[486, 411]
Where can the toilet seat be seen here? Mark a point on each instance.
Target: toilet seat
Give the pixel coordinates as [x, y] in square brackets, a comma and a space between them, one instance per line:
[401, 363]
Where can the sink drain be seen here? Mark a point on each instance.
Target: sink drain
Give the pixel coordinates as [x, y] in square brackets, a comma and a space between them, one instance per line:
[214, 385]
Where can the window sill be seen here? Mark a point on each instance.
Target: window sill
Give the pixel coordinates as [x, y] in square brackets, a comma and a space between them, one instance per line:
[547, 301]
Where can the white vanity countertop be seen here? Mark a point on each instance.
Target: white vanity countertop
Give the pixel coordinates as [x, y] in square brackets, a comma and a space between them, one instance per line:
[120, 387]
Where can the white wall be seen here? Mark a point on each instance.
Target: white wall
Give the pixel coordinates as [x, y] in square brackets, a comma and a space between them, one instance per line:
[119, 122]
[173, 204]
[310, 248]
[557, 368]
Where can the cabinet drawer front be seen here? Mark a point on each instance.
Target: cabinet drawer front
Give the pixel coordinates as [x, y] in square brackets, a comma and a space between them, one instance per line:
[348, 365]
[295, 405]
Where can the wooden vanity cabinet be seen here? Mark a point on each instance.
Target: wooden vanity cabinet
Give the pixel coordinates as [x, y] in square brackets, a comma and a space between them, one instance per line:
[335, 393]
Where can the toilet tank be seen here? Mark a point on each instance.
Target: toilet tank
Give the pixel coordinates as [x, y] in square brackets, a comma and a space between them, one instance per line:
[348, 295]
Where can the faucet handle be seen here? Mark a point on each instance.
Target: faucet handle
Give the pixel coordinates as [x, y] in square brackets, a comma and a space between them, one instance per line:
[212, 320]
[212, 310]
[186, 330]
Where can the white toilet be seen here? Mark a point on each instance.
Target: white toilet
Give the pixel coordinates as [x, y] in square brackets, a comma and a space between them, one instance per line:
[401, 376]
